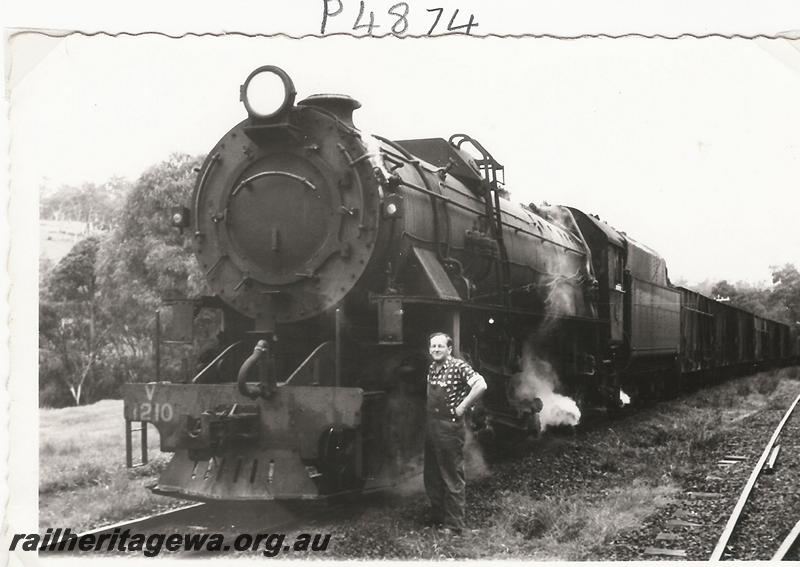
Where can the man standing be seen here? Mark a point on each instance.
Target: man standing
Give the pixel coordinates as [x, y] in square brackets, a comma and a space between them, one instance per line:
[453, 387]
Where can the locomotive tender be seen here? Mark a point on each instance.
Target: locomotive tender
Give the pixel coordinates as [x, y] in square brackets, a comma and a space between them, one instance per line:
[332, 255]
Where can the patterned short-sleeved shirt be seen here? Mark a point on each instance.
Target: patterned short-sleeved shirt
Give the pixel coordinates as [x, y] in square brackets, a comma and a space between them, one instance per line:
[448, 385]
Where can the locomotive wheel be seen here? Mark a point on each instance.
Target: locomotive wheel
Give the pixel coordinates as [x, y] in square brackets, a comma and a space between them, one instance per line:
[613, 403]
[614, 407]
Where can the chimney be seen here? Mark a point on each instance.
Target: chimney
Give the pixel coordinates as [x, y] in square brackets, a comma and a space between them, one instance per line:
[341, 106]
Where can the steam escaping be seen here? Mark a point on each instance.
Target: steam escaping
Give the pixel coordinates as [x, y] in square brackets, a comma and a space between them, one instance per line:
[557, 284]
[411, 476]
[404, 432]
[558, 410]
[624, 398]
[538, 379]
[560, 298]
[373, 146]
[474, 462]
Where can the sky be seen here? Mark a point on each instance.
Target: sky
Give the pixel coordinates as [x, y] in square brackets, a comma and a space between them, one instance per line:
[689, 146]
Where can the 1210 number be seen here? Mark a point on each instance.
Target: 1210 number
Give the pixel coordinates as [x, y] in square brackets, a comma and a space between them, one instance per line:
[149, 411]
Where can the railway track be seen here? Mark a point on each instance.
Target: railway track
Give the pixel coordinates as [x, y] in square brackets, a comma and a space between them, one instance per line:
[152, 521]
[766, 463]
[231, 520]
[791, 542]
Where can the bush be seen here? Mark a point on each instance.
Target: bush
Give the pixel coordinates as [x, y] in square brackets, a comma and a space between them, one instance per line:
[54, 394]
[703, 432]
[722, 396]
[766, 383]
[743, 388]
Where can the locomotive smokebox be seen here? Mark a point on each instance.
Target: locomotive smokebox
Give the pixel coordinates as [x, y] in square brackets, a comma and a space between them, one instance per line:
[286, 207]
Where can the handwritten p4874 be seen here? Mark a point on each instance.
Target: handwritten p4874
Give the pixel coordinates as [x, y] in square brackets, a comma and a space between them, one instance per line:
[397, 20]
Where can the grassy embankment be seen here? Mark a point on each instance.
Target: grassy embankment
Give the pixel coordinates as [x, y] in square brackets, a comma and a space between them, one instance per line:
[83, 481]
[655, 459]
[597, 483]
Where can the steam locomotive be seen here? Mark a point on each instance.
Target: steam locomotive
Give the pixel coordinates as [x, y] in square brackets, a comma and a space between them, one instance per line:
[333, 254]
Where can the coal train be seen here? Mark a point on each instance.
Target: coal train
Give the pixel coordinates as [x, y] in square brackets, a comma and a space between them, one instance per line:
[333, 254]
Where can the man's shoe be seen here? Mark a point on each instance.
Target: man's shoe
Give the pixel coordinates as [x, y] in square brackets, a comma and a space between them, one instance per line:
[432, 522]
[432, 519]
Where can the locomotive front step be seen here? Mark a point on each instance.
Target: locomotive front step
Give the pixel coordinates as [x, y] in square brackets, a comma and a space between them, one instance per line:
[267, 474]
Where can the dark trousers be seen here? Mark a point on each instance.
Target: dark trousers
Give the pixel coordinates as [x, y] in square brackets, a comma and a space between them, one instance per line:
[445, 482]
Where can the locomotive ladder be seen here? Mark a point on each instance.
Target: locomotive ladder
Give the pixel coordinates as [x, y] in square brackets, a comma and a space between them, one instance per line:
[489, 169]
[129, 431]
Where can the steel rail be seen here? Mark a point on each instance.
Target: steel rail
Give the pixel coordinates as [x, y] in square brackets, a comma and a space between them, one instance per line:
[788, 543]
[716, 555]
[142, 520]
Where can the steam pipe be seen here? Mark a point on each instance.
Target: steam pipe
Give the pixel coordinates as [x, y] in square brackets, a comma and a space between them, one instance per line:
[252, 390]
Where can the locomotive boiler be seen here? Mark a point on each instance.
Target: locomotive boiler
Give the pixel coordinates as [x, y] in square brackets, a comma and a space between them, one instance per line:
[332, 254]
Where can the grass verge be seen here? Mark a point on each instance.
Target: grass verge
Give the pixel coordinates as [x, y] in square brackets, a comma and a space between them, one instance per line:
[83, 481]
[543, 529]
[569, 495]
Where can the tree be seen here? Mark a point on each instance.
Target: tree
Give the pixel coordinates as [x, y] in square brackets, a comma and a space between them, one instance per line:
[97, 304]
[781, 302]
[68, 317]
[786, 293]
[95, 205]
[145, 258]
[723, 291]
[680, 282]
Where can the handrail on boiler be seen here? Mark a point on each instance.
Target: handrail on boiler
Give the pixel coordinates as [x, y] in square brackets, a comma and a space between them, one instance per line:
[310, 359]
[216, 359]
